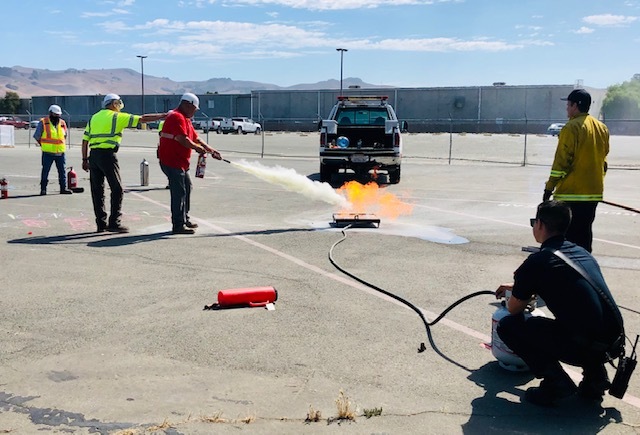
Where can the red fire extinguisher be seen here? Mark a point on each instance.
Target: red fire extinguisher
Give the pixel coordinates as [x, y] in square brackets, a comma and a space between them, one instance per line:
[72, 179]
[202, 164]
[4, 188]
[244, 297]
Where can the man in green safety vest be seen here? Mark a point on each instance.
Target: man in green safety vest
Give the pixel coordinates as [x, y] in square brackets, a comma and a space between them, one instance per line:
[102, 136]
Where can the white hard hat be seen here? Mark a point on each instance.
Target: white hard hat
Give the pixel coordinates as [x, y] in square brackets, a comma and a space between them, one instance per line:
[54, 108]
[108, 99]
[191, 98]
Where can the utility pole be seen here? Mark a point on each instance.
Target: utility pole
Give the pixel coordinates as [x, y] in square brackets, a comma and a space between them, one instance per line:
[341, 50]
[142, 58]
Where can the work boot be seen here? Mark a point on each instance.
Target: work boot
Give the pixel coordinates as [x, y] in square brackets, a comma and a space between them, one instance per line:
[556, 385]
[65, 192]
[117, 229]
[43, 192]
[183, 230]
[190, 224]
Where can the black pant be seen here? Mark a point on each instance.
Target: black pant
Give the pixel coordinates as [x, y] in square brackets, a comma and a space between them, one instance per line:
[542, 344]
[104, 164]
[180, 190]
[582, 216]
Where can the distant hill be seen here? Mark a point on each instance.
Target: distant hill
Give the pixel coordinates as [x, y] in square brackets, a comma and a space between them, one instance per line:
[29, 82]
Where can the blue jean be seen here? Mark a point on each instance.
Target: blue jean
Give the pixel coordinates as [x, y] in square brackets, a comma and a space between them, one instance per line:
[180, 190]
[47, 161]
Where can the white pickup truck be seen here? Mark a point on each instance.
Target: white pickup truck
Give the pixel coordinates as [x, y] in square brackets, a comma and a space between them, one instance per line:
[213, 124]
[240, 125]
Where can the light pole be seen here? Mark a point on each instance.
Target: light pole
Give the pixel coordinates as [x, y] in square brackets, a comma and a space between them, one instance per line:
[341, 50]
[142, 58]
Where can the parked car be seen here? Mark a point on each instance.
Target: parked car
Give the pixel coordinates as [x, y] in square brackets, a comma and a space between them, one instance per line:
[34, 123]
[198, 123]
[554, 129]
[15, 121]
[213, 124]
[241, 125]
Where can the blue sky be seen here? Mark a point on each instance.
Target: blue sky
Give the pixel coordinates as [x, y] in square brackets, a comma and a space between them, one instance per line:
[413, 43]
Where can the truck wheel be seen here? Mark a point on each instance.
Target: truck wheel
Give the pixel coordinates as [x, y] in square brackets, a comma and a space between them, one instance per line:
[394, 175]
[240, 131]
[219, 130]
[257, 131]
[325, 173]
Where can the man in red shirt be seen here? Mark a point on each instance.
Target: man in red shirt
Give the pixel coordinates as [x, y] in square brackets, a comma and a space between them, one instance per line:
[177, 139]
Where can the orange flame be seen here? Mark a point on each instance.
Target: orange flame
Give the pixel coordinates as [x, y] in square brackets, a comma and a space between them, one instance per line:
[369, 198]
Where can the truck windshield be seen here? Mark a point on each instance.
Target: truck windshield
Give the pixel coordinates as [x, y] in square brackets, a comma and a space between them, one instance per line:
[354, 116]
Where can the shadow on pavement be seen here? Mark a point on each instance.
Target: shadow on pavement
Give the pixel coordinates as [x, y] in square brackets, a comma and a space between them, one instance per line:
[108, 239]
[143, 189]
[105, 239]
[496, 412]
[263, 232]
[128, 240]
[62, 238]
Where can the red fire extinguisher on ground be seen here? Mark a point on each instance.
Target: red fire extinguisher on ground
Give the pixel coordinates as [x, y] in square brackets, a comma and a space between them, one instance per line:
[4, 188]
[72, 179]
[202, 164]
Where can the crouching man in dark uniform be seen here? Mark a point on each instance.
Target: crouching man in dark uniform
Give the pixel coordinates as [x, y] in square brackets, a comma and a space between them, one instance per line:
[584, 325]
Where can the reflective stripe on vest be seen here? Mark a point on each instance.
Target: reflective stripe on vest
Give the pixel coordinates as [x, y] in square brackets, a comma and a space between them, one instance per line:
[52, 139]
[575, 197]
[103, 132]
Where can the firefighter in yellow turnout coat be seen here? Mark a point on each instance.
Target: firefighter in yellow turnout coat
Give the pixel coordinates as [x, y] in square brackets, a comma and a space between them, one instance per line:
[579, 167]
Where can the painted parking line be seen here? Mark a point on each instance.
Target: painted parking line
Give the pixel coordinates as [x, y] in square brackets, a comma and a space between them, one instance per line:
[500, 221]
[631, 400]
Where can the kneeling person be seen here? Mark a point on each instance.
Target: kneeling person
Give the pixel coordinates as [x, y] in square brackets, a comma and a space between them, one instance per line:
[584, 325]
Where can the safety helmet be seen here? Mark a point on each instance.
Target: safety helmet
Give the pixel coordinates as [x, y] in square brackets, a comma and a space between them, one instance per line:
[191, 98]
[55, 109]
[109, 98]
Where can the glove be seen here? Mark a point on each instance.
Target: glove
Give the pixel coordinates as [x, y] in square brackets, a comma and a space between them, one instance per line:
[547, 195]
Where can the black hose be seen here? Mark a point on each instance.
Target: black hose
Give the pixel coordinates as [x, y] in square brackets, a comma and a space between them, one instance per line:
[427, 325]
[625, 207]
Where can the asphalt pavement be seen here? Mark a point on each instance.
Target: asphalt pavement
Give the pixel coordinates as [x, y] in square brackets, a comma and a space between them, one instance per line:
[106, 333]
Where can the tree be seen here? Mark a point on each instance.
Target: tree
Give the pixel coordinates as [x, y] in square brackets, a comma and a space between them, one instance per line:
[623, 100]
[10, 103]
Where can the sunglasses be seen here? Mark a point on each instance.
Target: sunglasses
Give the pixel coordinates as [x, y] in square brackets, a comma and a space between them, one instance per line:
[533, 221]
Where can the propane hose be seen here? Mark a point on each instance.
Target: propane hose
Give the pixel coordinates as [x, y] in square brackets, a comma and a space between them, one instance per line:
[427, 324]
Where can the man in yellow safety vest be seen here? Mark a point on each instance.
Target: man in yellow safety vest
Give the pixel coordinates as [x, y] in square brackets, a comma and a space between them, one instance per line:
[102, 136]
[51, 134]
